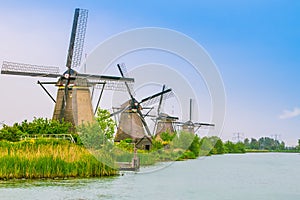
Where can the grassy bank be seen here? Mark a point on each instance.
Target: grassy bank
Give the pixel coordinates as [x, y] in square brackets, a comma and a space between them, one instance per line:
[49, 159]
[274, 151]
[257, 151]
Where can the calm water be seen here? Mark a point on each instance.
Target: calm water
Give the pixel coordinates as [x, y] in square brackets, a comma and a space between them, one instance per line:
[233, 177]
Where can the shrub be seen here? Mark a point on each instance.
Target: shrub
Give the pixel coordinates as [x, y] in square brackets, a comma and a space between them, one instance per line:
[37, 126]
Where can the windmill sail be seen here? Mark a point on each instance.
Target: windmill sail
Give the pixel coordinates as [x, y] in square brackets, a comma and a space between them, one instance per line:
[111, 82]
[23, 69]
[73, 57]
[77, 38]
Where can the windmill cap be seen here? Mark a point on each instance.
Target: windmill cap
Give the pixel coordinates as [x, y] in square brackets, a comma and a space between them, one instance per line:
[166, 116]
[70, 72]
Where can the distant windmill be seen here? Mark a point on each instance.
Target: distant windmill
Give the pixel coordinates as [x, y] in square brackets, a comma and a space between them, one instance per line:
[163, 121]
[132, 123]
[73, 101]
[191, 126]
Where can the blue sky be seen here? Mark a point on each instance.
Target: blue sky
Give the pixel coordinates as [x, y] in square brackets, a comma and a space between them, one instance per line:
[255, 45]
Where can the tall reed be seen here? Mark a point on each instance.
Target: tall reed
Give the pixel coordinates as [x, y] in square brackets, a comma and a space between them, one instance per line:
[49, 159]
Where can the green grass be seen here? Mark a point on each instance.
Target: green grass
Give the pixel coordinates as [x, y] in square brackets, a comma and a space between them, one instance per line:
[257, 151]
[276, 151]
[49, 159]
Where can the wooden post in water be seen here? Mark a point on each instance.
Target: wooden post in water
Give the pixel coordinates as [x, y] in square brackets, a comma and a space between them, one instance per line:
[135, 160]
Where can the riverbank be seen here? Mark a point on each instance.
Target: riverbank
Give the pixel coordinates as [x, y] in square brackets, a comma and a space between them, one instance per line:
[34, 159]
[60, 159]
[239, 176]
[271, 151]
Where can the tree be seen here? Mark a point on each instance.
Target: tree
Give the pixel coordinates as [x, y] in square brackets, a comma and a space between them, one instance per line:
[106, 123]
[219, 147]
[282, 146]
[95, 135]
[267, 143]
[235, 148]
[229, 147]
[240, 148]
[11, 133]
[213, 145]
[167, 137]
[91, 135]
[247, 143]
[37, 126]
[206, 145]
[254, 144]
[184, 140]
[195, 146]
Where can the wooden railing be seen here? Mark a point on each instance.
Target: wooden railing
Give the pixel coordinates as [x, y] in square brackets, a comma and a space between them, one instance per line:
[48, 136]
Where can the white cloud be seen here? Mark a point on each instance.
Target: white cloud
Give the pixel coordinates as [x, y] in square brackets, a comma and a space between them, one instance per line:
[290, 114]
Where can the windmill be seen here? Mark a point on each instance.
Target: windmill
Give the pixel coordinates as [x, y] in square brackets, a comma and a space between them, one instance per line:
[191, 126]
[132, 123]
[163, 122]
[73, 102]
